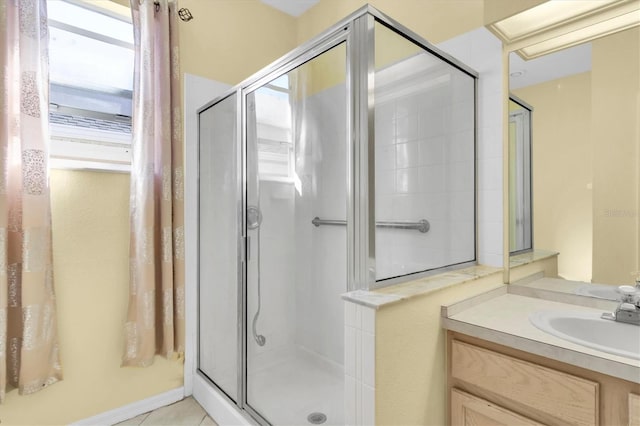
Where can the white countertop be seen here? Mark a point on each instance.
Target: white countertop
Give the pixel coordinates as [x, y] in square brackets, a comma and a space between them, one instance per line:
[504, 319]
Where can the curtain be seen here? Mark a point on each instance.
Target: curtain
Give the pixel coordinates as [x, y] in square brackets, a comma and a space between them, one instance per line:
[155, 319]
[28, 338]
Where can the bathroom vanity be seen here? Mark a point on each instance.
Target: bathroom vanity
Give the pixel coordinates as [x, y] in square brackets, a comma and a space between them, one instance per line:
[503, 370]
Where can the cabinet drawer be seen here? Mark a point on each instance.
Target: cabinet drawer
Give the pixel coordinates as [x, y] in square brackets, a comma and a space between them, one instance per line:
[469, 410]
[561, 395]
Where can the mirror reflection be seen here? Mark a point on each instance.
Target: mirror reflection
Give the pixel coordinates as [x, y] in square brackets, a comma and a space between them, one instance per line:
[585, 156]
[519, 176]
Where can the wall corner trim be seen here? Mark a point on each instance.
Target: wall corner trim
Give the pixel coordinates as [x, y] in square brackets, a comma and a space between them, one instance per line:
[134, 409]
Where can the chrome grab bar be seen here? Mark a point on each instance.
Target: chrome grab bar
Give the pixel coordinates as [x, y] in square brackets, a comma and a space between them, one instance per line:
[422, 225]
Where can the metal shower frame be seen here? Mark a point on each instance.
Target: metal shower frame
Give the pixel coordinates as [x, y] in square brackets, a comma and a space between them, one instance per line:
[357, 31]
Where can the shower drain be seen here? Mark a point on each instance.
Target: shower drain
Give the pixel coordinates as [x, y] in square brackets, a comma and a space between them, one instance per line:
[316, 418]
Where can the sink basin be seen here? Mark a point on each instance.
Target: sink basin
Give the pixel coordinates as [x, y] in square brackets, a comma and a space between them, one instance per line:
[598, 290]
[588, 329]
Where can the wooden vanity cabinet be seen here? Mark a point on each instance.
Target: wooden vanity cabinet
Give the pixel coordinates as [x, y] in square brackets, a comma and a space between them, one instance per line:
[490, 384]
[634, 410]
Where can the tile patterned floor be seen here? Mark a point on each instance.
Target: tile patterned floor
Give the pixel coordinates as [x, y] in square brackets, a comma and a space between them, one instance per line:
[182, 413]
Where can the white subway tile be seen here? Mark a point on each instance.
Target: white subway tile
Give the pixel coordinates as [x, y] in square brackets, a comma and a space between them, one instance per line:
[385, 181]
[460, 147]
[384, 130]
[433, 121]
[405, 207]
[490, 259]
[406, 128]
[349, 314]
[350, 356]
[368, 406]
[359, 413]
[460, 176]
[368, 359]
[358, 357]
[384, 206]
[407, 154]
[490, 174]
[432, 151]
[407, 180]
[385, 157]
[432, 179]
[490, 142]
[490, 110]
[489, 205]
[350, 407]
[368, 320]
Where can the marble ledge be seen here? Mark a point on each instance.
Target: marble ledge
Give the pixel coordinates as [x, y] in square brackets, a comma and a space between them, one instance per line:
[393, 294]
[530, 257]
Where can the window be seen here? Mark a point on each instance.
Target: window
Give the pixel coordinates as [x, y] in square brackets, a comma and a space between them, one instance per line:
[91, 84]
[274, 120]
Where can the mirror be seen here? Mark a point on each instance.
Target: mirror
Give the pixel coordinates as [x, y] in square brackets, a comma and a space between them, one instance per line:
[585, 158]
[520, 224]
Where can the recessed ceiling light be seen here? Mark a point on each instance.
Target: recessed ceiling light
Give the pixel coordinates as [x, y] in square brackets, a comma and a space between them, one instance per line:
[516, 74]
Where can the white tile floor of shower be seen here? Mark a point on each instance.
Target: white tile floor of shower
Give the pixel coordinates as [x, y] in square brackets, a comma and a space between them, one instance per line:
[287, 392]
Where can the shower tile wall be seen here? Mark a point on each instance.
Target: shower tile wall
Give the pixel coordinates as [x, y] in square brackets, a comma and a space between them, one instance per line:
[321, 276]
[425, 170]
[277, 315]
[482, 51]
[304, 262]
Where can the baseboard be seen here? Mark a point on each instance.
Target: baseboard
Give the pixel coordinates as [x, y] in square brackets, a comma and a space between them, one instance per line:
[217, 405]
[134, 409]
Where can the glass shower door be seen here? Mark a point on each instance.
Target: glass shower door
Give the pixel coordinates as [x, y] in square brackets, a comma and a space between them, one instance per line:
[297, 171]
[218, 246]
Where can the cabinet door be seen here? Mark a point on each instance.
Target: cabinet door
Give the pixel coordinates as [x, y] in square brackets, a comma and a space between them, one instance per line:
[634, 410]
[468, 410]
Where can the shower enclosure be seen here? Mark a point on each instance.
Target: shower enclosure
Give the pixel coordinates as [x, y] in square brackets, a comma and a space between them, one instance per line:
[348, 164]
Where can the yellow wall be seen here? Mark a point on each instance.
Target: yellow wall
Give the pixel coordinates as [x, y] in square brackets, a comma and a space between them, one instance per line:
[562, 169]
[616, 141]
[435, 20]
[229, 40]
[411, 373]
[91, 261]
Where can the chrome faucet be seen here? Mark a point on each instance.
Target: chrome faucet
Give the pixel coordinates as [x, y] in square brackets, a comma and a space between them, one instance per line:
[628, 309]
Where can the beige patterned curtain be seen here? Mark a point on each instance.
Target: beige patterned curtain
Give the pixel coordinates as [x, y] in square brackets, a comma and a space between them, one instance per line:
[28, 337]
[155, 321]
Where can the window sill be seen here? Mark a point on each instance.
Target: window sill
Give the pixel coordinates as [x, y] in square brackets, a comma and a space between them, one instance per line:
[76, 148]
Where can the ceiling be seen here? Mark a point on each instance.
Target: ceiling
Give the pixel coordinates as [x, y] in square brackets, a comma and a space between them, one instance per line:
[560, 64]
[291, 7]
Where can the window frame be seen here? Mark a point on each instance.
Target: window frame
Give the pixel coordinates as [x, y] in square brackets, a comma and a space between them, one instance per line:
[85, 148]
